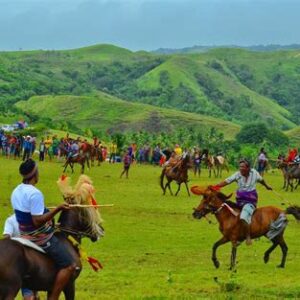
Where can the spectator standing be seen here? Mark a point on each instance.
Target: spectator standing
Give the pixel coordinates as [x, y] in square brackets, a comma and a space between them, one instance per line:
[42, 150]
[127, 160]
[262, 162]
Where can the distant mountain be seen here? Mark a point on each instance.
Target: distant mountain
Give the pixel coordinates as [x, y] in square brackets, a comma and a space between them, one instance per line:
[201, 49]
[229, 84]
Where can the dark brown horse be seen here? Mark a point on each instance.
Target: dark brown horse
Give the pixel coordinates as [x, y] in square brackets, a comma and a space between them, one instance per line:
[177, 171]
[264, 223]
[21, 266]
[80, 158]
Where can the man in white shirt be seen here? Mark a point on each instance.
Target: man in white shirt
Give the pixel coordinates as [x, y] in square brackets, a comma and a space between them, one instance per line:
[35, 223]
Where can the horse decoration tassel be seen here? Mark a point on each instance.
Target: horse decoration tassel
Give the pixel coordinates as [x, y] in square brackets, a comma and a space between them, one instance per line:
[82, 194]
[94, 263]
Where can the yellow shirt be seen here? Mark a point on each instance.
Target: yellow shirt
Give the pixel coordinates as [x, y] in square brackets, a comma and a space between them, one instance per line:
[178, 151]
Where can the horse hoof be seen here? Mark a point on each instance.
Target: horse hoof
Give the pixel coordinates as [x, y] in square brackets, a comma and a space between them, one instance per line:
[280, 266]
[217, 264]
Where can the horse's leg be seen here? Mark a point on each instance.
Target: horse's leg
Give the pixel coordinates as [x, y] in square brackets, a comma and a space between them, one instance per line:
[69, 291]
[168, 184]
[187, 188]
[66, 165]
[9, 289]
[178, 189]
[88, 162]
[284, 250]
[269, 251]
[220, 242]
[233, 255]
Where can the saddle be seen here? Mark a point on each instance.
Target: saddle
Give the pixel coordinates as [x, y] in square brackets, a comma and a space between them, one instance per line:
[28, 243]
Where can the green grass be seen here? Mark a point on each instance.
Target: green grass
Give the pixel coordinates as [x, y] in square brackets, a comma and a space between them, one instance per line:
[153, 249]
[294, 135]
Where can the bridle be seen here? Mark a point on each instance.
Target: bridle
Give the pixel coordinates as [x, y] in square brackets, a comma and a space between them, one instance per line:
[76, 233]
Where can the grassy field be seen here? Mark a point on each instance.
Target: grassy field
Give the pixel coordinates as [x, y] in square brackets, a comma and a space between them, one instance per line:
[153, 249]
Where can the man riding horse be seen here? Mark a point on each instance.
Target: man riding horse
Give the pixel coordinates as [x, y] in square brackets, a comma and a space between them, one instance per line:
[35, 224]
[246, 194]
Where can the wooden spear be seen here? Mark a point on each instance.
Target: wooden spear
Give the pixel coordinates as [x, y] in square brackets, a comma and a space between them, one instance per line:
[86, 205]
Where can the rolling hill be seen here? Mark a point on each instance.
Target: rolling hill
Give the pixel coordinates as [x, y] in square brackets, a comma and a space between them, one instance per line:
[233, 85]
[107, 113]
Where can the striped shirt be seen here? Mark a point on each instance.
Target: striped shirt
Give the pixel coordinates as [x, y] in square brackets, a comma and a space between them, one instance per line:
[245, 184]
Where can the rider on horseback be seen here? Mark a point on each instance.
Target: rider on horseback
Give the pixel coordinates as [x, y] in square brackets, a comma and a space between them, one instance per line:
[246, 194]
[35, 224]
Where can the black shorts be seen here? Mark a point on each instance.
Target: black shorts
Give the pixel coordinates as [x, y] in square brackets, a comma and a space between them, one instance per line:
[58, 252]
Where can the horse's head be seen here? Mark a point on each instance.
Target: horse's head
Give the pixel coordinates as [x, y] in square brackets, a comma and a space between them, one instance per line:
[211, 201]
[187, 161]
[81, 222]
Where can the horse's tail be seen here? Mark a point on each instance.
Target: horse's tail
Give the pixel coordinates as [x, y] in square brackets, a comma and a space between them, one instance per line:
[162, 175]
[293, 210]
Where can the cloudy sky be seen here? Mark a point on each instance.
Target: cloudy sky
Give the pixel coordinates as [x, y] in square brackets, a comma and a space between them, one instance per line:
[147, 24]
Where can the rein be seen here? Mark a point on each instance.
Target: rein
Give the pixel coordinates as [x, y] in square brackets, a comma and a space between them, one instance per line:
[78, 234]
[228, 207]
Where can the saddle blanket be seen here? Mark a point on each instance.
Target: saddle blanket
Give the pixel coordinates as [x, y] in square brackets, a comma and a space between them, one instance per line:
[28, 243]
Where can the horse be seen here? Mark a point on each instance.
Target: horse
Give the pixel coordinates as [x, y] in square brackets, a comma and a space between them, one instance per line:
[290, 172]
[80, 158]
[220, 163]
[178, 172]
[265, 221]
[215, 164]
[21, 266]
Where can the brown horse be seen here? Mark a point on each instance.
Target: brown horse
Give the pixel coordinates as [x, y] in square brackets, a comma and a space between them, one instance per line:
[291, 173]
[265, 221]
[216, 164]
[21, 266]
[177, 172]
[80, 158]
[221, 164]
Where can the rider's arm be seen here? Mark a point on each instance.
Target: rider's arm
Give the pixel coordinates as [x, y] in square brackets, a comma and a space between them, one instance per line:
[265, 185]
[229, 180]
[40, 220]
[221, 184]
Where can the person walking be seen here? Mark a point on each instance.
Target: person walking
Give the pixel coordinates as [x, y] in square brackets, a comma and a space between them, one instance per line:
[127, 160]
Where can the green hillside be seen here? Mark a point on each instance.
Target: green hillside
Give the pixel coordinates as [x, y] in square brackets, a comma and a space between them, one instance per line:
[294, 135]
[109, 114]
[193, 84]
[231, 84]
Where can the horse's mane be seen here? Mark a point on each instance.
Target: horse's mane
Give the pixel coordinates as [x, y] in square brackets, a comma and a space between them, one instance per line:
[82, 193]
[225, 198]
